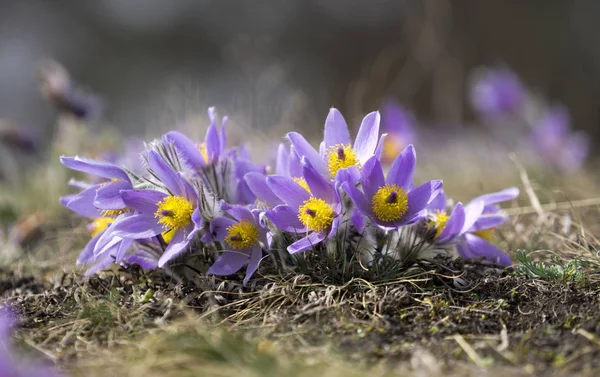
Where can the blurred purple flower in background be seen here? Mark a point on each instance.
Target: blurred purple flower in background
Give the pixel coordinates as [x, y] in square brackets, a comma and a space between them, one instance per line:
[400, 126]
[10, 364]
[556, 144]
[496, 92]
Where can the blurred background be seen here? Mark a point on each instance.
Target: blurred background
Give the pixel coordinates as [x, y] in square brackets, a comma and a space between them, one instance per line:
[283, 63]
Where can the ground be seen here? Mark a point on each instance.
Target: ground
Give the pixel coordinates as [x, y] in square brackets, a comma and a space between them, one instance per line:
[448, 317]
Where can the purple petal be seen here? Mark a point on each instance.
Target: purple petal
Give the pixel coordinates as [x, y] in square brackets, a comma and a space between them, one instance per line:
[177, 246]
[228, 263]
[218, 227]
[403, 168]
[359, 199]
[295, 164]
[187, 149]
[500, 196]
[255, 259]
[99, 266]
[283, 161]
[319, 187]
[188, 191]
[350, 175]
[244, 194]
[108, 195]
[372, 177]
[212, 143]
[336, 129]
[287, 190]
[307, 242]
[138, 227]
[87, 254]
[481, 248]
[143, 259]
[143, 201]
[358, 220]
[473, 211]
[223, 135]
[489, 222]
[100, 169]
[212, 114]
[367, 138]
[165, 174]
[303, 148]
[453, 225]
[285, 218]
[439, 203]
[379, 150]
[83, 203]
[258, 184]
[237, 212]
[420, 197]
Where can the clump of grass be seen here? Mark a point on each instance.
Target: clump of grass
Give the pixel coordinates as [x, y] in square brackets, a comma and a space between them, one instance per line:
[555, 270]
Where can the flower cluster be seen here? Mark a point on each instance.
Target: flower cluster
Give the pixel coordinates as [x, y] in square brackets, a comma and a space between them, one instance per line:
[200, 201]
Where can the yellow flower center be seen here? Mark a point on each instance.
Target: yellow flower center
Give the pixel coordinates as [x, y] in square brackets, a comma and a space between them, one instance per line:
[392, 146]
[99, 225]
[390, 203]
[439, 221]
[114, 212]
[316, 214]
[174, 212]
[486, 234]
[168, 235]
[203, 152]
[340, 157]
[242, 235]
[302, 182]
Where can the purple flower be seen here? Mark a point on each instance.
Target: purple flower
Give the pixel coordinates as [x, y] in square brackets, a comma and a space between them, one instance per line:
[399, 125]
[10, 365]
[200, 155]
[497, 92]
[173, 215]
[103, 204]
[243, 165]
[471, 228]
[106, 195]
[311, 209]
[244, 237]
[337, 152]
[392, 201]
[557, 145]
[287, 165]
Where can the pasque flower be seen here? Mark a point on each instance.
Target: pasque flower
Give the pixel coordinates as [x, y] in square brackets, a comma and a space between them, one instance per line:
[287, 165]
[496, 92]
[313, 209]
[337, 151]
[172, 214]
[244, 239]
[102, 203]
[555, 143]
[392, 201]
[199, 155]
[471, 227]
[399, 125]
